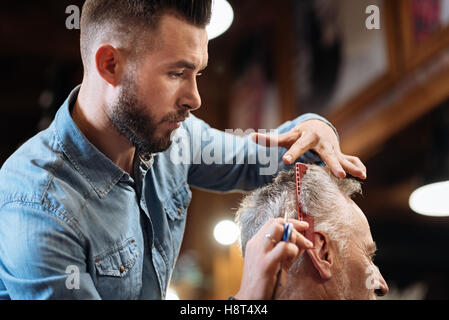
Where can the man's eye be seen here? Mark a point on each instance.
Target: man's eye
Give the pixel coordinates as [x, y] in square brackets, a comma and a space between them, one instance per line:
[199, 74]
[176, 74]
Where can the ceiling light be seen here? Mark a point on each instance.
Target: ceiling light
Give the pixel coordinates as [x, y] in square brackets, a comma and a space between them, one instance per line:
[226, 232]
[221, 20]
[431, 200]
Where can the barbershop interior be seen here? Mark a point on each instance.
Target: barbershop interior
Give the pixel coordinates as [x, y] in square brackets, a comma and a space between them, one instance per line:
[378, 70]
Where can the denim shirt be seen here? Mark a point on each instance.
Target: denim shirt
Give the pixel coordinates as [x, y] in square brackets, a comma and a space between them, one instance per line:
[73, 225]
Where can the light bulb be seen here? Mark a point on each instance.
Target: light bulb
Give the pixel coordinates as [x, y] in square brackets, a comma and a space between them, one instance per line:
[431, 200]
[221, 19]
[226, 232]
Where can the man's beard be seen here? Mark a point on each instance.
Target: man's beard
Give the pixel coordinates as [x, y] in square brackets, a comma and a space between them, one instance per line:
[134, 121]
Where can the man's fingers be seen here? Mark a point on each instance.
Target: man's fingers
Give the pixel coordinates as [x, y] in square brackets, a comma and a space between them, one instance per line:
[353, 169]
[283, 251]
[267, 140]
[296, 240]
[358, 164]
[356, 161]
[329, 156]
[299, 225]
[299, 240]
[302, 145]
[300, 139]
[272, 233]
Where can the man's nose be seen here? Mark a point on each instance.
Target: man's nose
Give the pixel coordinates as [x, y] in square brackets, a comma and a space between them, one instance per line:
[383, 287]
[191, 99]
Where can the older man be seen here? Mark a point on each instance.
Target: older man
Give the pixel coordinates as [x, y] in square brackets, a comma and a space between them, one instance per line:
[340, 265]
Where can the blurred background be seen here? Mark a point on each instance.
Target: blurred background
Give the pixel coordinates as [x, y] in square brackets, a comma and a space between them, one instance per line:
[386, 90]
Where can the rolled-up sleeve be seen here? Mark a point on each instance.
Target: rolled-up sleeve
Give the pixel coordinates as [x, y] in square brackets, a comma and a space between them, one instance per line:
[224, 162]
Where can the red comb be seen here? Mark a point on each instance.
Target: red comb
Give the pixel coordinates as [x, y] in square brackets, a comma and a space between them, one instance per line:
[300, 171]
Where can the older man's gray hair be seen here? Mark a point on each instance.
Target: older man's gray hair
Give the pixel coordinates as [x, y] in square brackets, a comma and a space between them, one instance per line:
[321, 197]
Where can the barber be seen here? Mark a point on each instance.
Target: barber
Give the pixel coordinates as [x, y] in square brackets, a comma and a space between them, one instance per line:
[94, 207]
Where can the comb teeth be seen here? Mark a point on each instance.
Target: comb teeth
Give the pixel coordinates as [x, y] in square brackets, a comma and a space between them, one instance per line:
[300, 171]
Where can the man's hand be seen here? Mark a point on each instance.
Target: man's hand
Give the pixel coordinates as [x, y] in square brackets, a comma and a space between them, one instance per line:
[318, 136]
[263, 256]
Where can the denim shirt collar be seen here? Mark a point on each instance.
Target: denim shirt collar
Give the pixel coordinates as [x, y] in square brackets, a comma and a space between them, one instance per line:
[101, 173]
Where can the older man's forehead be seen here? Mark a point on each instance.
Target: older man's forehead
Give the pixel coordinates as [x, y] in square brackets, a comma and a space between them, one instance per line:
[359, 222]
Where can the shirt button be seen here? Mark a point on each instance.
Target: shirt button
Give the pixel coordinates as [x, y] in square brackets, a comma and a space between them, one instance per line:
[122, 269]
[179, 211]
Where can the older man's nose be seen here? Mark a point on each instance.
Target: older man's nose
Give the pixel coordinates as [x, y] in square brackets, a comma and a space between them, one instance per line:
[383, 288]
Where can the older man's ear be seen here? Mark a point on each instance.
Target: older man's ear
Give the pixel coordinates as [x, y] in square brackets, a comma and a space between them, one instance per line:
[322, 255]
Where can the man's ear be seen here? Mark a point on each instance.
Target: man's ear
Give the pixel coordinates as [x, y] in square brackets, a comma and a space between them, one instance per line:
[109, 64]
[322, 255]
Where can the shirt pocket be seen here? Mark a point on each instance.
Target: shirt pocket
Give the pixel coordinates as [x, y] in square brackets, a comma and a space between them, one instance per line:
[118, 274]
[176, 205]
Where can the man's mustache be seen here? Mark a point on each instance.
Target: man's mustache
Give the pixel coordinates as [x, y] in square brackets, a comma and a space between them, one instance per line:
[176, 116]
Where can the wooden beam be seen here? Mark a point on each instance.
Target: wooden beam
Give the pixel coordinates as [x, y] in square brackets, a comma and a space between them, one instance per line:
[398, 109]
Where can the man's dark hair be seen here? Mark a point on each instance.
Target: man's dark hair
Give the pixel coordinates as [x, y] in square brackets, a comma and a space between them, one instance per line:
[127, 21]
